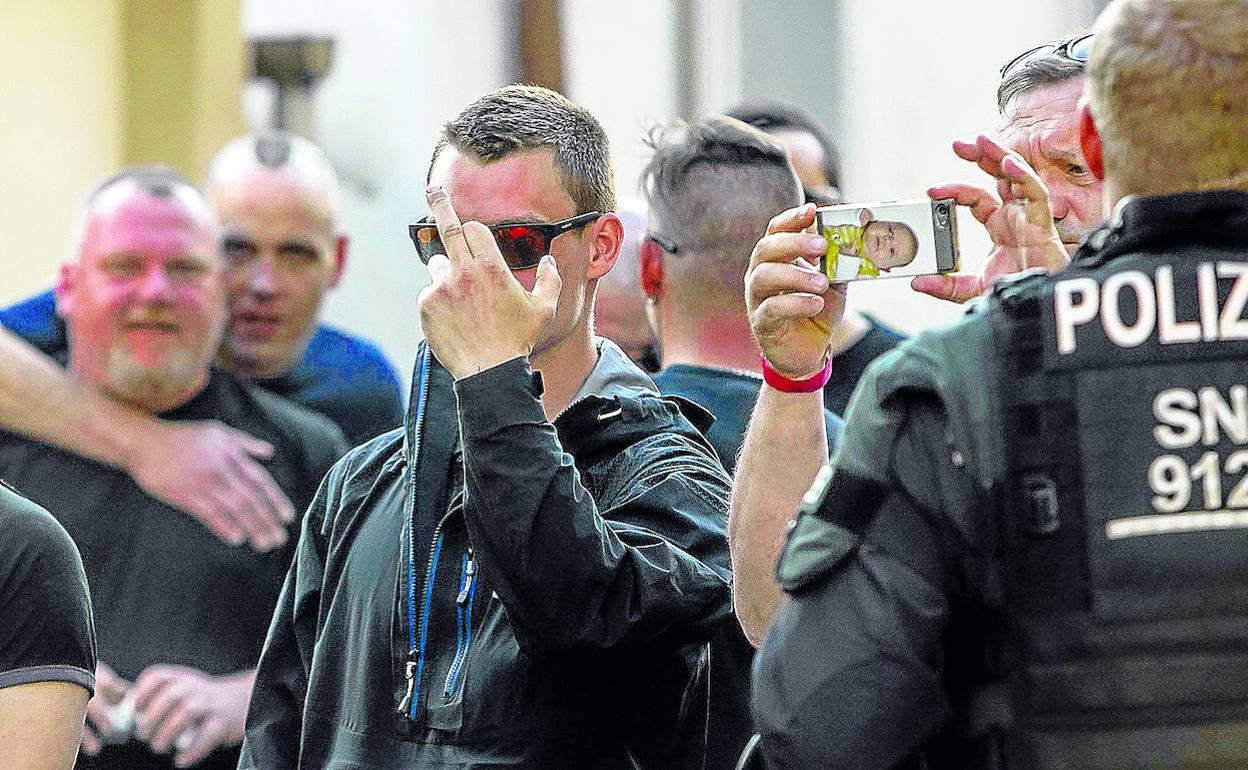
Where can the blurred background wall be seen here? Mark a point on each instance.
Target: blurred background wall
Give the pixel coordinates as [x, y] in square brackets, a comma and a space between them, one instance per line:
[91, 85]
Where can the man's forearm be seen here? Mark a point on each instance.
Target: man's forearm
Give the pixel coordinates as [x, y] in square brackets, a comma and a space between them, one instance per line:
[784, 448]
[41, 400]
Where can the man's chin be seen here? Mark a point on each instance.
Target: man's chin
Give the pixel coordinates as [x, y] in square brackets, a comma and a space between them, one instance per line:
[252, 358]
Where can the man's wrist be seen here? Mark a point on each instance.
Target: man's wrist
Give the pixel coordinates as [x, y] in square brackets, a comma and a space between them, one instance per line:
[806, 384]
[482, 365]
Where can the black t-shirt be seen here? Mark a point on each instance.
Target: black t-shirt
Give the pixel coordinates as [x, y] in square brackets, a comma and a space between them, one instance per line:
[847, 367]
[730, 396]
[164, 588]
[46, 634]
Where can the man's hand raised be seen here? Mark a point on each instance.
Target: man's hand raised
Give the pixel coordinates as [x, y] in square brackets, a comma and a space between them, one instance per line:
[474, 312]
[212, 472]
[792, 307]
[1018, 218]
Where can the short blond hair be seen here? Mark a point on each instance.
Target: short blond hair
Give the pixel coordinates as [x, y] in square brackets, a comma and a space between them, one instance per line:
[1166, 86]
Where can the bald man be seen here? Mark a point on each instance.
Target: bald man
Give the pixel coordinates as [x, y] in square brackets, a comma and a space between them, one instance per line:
[180, 615]
[620, 305]
[1027, 553]
[278, 198]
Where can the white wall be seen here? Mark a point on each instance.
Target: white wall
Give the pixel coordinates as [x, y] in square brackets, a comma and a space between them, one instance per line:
[619, 65]
[896, 79]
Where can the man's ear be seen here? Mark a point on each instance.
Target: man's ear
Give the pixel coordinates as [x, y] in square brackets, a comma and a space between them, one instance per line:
[64, 290]
[606, 236]
[651, 269]
[1090, 141]
[865, 216]
[341, 247]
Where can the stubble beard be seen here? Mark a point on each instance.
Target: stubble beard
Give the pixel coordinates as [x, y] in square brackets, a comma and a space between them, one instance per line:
[154, 388]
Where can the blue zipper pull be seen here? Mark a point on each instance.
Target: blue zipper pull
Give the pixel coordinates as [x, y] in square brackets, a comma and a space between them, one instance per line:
[409, 671]
[470, 572]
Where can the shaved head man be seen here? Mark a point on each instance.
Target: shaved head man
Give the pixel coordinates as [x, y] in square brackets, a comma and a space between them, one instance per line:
[180, 614]
[278, 201]
[620, 305]
[279, 198]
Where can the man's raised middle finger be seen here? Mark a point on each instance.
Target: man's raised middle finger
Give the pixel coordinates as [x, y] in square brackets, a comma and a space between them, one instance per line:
[449, 226]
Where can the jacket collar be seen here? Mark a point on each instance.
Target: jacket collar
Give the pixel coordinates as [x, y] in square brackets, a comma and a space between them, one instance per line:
[614, 375]
[1145, 223]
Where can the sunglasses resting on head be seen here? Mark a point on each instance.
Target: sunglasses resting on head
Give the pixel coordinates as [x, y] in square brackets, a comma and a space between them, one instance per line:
[522, 244]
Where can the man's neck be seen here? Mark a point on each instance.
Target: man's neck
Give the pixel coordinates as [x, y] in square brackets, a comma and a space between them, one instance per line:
[716, 342]
[565, 367]
[250, 368]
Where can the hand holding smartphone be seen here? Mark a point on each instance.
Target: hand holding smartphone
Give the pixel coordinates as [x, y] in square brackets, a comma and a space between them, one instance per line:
[889, 239]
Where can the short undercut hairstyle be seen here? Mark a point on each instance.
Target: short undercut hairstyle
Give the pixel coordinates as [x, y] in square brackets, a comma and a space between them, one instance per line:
[1038, 72]
[712, 186]
[777, 116]
[517, 118]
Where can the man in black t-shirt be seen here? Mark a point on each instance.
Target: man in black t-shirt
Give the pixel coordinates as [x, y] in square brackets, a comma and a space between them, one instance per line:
[47, 641]
[181, 614]
[279, 203]
[711, 187]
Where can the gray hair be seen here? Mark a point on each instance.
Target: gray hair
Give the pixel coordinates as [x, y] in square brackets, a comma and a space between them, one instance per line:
[1039, 72]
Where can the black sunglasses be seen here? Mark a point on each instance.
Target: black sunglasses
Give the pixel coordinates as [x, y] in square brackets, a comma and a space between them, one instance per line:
[1076, 49]
[522, 244]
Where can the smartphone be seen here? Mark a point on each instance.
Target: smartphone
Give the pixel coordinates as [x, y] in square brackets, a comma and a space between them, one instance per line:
[888, 239]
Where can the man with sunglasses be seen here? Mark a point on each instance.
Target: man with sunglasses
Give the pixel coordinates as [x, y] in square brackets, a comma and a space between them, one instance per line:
[1029, 551]
[525, 574]
[1038, 100]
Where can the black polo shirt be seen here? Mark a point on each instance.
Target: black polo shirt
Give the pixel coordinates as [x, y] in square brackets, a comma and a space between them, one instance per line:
[165, 589]
[46, 634]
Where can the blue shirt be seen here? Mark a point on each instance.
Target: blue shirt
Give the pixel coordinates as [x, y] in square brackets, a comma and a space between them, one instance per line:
[345, 378]
[730, 396]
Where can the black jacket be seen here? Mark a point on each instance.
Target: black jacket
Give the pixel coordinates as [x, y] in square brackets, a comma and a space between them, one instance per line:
[561, 594]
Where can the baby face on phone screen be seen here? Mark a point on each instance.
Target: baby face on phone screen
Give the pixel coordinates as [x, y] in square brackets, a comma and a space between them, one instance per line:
[890, 244]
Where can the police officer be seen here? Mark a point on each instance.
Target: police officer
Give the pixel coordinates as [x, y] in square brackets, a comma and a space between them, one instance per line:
[1031, 550]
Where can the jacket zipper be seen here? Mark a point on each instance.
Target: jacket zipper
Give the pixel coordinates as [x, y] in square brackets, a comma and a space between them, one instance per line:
[463, 630]
[410, 667]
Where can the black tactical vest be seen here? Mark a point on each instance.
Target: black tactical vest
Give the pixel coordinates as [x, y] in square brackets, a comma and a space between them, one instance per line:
[1124, 509]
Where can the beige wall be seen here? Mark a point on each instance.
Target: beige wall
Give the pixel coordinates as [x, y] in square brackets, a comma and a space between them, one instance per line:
[88, 86]
[62, 127]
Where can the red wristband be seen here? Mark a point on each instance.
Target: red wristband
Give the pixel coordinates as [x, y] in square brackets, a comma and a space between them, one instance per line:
[785, 385]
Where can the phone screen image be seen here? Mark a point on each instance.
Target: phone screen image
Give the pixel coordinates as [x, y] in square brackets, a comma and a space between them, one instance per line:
[888, 239]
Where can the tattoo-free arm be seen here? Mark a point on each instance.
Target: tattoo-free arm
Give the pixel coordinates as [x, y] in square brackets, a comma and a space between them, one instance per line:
[205, 468]
[784, 448]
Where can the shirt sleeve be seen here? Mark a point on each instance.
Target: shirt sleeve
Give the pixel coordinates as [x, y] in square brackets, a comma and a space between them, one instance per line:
[35, 321]
[46, 631]
[850, 673]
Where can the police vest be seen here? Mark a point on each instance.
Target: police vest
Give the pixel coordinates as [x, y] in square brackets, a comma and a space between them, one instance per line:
[1124, 509]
